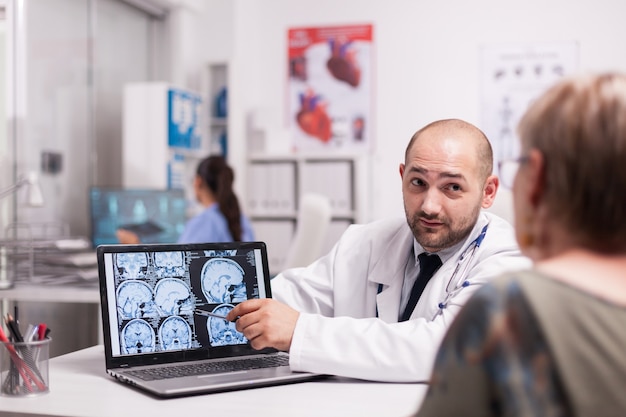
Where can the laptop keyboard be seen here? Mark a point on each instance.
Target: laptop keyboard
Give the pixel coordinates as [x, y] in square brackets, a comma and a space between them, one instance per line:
[208, 368]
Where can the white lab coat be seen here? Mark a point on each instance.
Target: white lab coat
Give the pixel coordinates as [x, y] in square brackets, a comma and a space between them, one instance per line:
[338, 332]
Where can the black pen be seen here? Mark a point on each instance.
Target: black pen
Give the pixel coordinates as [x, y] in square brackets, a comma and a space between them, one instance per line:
[14, 329]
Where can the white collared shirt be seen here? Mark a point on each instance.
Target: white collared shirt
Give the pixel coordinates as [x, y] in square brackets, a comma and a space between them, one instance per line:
[412, 269]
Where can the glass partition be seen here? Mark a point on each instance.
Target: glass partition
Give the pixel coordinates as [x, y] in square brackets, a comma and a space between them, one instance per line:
[66, 64]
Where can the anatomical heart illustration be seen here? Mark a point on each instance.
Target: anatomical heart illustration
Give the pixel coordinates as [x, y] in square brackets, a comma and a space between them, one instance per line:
[312, 117]
[329, 87]
[343, 63]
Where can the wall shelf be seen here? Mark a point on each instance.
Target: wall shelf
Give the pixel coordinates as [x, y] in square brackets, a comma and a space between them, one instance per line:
[215, 90]
[277, 182]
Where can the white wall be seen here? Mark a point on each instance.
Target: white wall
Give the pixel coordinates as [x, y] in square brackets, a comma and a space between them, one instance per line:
[426, 66]
[200, 32]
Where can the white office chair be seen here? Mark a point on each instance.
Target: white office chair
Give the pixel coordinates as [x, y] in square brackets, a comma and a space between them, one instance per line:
[313, 220]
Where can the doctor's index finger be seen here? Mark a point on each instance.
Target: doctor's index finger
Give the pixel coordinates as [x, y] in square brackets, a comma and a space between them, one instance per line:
[244, 308]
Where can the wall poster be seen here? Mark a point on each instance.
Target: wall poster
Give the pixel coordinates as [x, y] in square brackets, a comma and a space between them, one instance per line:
[512, 76]
[330, 88]
[183, 119]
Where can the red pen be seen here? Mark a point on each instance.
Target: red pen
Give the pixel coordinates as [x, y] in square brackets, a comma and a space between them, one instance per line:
[41, 331]
[3, 336]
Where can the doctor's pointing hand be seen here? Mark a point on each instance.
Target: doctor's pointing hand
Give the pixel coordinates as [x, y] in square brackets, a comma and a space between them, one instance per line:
[266, 323]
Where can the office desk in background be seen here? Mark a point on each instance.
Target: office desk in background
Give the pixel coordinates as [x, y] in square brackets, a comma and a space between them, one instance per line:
[79, 386]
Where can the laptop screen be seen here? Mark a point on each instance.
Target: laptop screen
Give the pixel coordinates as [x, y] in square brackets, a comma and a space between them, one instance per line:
[166, 299]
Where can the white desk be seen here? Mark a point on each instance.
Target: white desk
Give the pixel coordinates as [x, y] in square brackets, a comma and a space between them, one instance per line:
[79, 386]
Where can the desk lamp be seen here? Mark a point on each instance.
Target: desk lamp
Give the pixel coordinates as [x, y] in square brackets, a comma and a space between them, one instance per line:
[34, 198]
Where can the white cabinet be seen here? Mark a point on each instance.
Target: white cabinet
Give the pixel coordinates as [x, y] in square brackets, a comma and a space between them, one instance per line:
[275, 185]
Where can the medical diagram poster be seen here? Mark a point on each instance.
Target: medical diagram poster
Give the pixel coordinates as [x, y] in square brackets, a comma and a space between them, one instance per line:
[512, 77]
[330, 88]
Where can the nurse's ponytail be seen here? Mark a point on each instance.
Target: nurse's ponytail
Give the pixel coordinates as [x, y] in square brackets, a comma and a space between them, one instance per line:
[219, 177]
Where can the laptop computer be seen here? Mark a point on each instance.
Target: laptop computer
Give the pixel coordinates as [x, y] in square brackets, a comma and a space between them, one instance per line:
[162, 314]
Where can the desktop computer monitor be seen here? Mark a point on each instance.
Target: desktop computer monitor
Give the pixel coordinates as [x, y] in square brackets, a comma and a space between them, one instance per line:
[157, 216]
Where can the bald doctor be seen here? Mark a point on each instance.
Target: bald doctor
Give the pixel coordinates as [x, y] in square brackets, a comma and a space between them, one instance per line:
[346, 314]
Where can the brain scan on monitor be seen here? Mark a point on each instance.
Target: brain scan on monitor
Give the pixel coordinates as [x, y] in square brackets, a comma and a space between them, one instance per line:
[138, 337]
[169, 264]
[222, 281]
[134, 300]
[172, 296]
[223, 332]
[132, 265]
[175, 334]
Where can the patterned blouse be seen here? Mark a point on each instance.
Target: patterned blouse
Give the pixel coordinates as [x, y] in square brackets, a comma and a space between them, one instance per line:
[528, 345]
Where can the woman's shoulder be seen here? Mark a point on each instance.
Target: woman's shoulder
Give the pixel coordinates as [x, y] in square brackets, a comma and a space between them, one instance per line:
[497, 298]
[207, 215]
[514, 287]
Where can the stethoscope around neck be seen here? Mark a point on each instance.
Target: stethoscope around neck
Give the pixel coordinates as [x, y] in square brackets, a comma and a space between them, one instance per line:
[459, 279]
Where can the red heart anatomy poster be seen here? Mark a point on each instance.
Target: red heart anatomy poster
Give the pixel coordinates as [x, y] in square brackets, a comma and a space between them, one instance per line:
[329, 88]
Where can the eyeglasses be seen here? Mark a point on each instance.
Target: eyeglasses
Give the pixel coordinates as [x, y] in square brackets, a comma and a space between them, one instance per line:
[508, 168]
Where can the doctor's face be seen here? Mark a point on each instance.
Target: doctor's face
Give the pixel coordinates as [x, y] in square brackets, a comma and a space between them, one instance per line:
[442, 187]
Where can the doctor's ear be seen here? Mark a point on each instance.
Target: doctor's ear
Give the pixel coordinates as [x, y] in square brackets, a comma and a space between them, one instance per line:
[492, 183]
[401, 170]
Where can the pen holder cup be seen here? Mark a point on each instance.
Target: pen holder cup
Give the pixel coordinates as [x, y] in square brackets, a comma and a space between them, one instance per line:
[24, 368]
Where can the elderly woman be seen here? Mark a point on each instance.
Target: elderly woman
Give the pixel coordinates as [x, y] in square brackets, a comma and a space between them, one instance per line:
[551, 341]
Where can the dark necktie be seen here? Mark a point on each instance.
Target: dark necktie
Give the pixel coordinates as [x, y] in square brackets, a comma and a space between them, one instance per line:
[429, 264]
